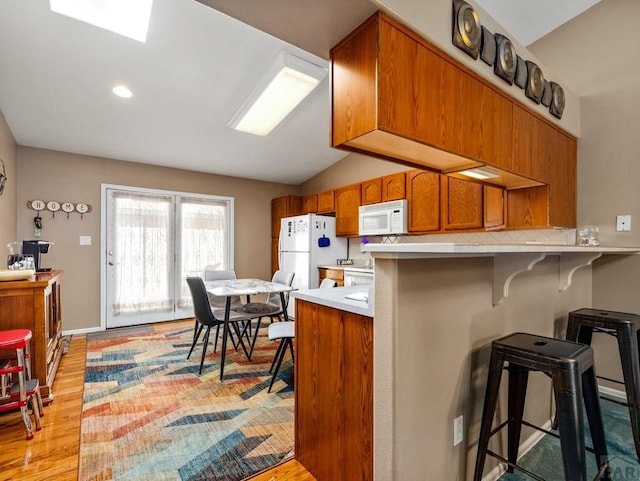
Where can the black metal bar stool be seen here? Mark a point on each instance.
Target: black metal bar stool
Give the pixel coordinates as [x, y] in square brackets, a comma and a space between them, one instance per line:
[570, 366]
[626, 328]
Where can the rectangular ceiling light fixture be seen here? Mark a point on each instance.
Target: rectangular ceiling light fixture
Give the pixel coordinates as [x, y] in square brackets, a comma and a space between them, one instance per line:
[287, 82]
[124, 17]
[481, 173]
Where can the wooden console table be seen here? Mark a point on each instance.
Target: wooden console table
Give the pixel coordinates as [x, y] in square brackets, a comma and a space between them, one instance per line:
[35, 304]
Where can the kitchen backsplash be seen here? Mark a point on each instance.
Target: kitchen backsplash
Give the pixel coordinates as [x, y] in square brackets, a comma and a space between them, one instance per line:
[539, 236]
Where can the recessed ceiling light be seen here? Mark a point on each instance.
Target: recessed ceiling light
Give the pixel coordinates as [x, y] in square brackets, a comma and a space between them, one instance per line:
[122, 91]
[124, 17]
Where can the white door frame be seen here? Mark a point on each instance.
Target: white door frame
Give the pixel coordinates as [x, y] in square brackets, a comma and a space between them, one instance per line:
[103, 233]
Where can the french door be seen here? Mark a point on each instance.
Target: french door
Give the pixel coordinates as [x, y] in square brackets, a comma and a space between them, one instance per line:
[153, 240]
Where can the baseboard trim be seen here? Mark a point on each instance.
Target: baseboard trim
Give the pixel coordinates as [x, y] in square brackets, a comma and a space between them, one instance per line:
[525, 447]
[613, 394]
[86, 330]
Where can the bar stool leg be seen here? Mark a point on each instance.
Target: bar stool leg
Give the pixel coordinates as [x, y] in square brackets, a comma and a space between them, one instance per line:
[594, 416]
[24, 409]
[567, 386]
[628, 346]
[490, 400]
[518, 379]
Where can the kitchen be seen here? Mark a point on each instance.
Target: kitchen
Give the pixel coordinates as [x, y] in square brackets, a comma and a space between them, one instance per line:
[605, 189]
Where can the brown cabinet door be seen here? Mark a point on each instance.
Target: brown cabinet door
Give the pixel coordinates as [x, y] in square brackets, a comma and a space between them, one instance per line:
[285, 206]
[279, 209]
[354, 96]
[531, 137]
[394, 187]
[326, 201]
[310, 204]
[423, 199]
[461, 204]
[494, 207]
[562, 190]
[334, 388]
[347, 204]
[335, 274]
[528, 207]
[371, 191]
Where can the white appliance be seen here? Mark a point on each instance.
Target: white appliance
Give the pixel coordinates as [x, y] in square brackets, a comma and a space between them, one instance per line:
[383, 219]
[307, 241]
[358, 277]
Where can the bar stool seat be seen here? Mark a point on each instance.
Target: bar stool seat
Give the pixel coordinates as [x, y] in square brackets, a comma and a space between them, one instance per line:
[626, 328]
[570, 366]
[19, 395]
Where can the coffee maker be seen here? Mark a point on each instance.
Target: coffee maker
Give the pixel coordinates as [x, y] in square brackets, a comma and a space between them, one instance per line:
[35, 248]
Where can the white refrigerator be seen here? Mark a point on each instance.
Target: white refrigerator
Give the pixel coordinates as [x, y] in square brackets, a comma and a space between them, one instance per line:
[307, 241]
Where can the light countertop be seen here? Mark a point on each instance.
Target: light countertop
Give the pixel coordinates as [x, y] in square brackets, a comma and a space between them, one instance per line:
[347, 267]
[455, 249]
[335, 297]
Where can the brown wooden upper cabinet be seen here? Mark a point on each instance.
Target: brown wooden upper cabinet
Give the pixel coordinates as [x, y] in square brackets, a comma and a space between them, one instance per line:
[326, 201]
[371, 191]
[494, 207]
[428, 107]
[462, 206]
[310, 204]
[347, 204]
[423, 199]
[284, 206]
[394, 187]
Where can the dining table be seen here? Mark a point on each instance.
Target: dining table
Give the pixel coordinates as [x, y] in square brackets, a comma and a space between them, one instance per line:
[242, 287]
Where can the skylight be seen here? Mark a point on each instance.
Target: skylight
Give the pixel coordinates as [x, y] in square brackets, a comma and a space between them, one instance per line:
[124, 17]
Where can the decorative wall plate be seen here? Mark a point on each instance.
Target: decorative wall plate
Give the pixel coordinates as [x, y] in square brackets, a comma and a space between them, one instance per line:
[546, 94]
[521, 72]
[557, 100]
[53, 206]
[506, 58]
[488, 50]
[467, 34]
[36, 204]
[535, 82]
[68, 207]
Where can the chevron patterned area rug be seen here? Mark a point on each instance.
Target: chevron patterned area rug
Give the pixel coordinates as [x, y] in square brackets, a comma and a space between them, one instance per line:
[148, 415]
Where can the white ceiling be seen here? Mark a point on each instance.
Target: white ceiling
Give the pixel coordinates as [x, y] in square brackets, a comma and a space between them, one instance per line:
[193, 73]
[530, 20]
[195, 70]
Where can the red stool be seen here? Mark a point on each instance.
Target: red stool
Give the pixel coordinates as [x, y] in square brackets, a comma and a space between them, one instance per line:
[25, 390]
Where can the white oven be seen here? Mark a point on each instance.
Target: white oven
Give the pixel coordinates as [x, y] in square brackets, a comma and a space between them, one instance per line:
[385, 218]
[358, 277]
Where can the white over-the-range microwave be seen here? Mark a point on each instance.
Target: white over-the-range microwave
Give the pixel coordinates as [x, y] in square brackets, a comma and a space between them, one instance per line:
[385, 218]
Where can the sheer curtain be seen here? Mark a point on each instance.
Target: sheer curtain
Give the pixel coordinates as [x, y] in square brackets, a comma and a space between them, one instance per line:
[144, 234]
[203, 239]
[155, 240]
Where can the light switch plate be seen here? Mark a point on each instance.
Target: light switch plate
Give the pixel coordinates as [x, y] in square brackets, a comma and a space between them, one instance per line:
[623, 223]
[85, 240]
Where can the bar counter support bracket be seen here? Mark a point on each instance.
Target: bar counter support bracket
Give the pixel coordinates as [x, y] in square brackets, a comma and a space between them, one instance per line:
[507, 266]
[570, 263]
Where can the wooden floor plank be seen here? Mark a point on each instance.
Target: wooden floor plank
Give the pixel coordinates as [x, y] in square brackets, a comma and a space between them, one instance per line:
[287, 471]
[53, 451]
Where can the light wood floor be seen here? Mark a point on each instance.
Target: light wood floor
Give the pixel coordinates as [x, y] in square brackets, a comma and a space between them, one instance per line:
[53, 451]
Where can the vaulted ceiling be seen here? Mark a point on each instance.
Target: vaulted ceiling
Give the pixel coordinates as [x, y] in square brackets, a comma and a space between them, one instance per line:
[197, 67]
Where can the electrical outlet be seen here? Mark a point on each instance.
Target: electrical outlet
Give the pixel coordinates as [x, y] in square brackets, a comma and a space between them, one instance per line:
[623, 223]
[458, 430]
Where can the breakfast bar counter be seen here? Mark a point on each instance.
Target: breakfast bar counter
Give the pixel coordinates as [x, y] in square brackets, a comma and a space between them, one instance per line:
[438, 306]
